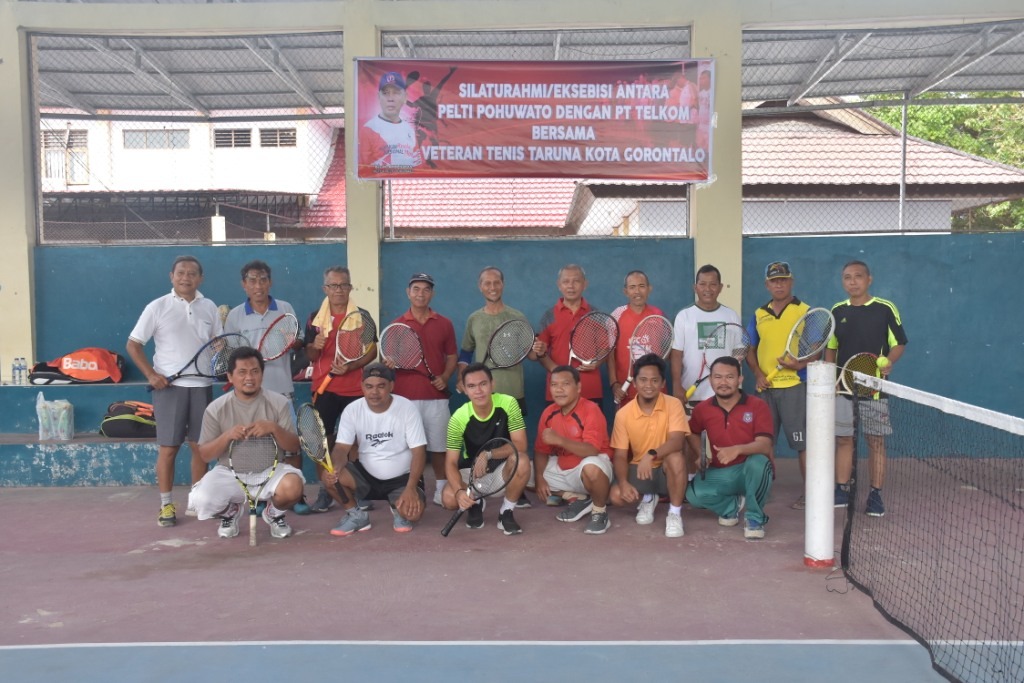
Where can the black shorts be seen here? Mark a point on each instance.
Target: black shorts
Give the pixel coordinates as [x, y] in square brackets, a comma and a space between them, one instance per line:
[368, 487]
[330, 406]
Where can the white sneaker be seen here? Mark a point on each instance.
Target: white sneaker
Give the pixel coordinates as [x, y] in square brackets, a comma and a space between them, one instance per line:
[645, 511]
[229, 521]
[275, 520]
[674, 525]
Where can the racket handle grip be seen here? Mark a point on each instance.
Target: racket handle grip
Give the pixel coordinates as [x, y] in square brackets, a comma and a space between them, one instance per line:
[691, 391]
[625, 390]
[341, 493]
[452, 522]
[771, 375]
[323, 385]
[252, 530]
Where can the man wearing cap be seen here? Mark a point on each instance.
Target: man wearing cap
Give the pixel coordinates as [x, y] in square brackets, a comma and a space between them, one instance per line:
[427, 384]
[769, 329]
[387, 143]
[391, 454]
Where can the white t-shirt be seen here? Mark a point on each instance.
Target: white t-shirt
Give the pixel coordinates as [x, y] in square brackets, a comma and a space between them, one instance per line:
[178, 329]
[692, 326]
[393, 144]
[384, 440]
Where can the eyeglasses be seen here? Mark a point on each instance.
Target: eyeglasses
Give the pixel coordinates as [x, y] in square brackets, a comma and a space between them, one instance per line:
[257, 280]
[338, 287]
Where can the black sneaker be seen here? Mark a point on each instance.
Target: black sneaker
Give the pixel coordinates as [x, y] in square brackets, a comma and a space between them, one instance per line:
[523, 502]
[507, 523]
[475, 515]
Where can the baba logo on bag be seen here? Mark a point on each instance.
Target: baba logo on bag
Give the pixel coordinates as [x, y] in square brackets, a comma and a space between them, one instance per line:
[91, 364]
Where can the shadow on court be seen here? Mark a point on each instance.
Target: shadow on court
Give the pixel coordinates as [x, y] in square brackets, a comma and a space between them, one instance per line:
[91, 566]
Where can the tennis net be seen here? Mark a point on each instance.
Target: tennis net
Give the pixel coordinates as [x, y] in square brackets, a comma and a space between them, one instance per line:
[946, 561]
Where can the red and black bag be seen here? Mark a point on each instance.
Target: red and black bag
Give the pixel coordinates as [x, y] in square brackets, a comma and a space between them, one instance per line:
[90, 365]
[129, 420]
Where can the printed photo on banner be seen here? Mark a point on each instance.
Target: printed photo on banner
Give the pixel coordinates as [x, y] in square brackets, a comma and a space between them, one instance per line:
[643, 120]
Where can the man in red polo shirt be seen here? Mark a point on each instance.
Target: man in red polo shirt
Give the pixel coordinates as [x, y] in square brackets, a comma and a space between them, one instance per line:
[441, 354]
[556, 328]
[574, 430]
[740, 431]
[637, 288]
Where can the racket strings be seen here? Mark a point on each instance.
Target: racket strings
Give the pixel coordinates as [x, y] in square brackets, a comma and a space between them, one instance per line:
[279, 338]
[816, 329]
[864, 363]
[652, 335]
[730, 339]
[355, 334]
[402, 346]
[250, 459]
[510, 343]
[212, 360]
[594, 336]
[311, 433]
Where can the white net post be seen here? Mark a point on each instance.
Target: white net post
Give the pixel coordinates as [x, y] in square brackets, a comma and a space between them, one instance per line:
[819, 514]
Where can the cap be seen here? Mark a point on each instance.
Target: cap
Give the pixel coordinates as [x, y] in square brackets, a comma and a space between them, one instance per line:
[378, 370]
[421, 277]
[776, 270]
[391, 78]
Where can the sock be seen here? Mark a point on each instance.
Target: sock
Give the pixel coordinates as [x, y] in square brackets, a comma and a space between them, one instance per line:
[165, 498]
[648, 497]
[598, 510]
[675, 509]
[690, 477]
[507, 504]
[441, 483]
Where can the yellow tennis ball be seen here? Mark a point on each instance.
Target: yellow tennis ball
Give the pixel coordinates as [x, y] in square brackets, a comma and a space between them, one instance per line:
[882, 362]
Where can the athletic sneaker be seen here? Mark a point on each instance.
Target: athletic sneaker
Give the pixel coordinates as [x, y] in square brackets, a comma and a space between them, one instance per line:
[799, 504]
[166, 517]
[577, 510]
[191, 511]
[842, 495]
[598, 523]
[323, 501]
[507, 523]
[875, 508]
[556, 501]
[753, 529]
[645, 511]
[229, 521]
[302, 507]
[674, 525]
[353, 521]
[475, 515]
[275, 520]
[741, 502]
[523, 502]
[401, 524]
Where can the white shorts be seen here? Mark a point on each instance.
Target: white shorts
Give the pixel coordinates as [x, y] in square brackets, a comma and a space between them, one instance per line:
[572, 480]
[218, 488]
[435, 414]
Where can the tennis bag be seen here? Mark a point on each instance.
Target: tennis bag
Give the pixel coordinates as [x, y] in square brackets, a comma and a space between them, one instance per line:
[129, 420]
[90, 365]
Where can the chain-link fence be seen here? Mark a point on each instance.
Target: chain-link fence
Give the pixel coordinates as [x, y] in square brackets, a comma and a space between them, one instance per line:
[531, 207]
[169, 139]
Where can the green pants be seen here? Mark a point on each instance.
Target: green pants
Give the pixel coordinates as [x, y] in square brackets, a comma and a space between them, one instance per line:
[721, 487]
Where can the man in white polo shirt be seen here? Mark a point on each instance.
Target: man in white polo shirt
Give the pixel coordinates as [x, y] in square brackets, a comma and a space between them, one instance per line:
[179, 323]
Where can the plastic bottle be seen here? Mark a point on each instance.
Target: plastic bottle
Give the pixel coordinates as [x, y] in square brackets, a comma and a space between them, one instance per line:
[14, 371]
[22, 371]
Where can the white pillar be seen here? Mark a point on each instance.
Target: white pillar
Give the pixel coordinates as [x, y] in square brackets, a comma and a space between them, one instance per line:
[819, 513]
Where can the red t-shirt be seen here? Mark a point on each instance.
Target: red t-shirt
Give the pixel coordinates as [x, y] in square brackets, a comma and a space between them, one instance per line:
[584, 423]
[749, 418]
[438, 337]
[556, 336]
[349, 384]
[628, 320]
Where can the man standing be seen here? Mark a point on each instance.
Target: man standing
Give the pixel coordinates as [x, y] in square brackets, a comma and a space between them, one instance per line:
[864, 324]
[556, 329]
[650, 428]
[573, 429]
[636, 288]
[248, 412]
[769, 330]
[739, 429]
[179, 323]
[386, 142]
[487, 416]
[344, 388]
[430, 396]
[391, 453]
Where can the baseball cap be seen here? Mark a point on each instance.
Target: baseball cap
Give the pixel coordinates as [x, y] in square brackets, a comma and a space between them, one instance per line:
[391, 78]
[421, 277]
[378, 370]
[777, 269]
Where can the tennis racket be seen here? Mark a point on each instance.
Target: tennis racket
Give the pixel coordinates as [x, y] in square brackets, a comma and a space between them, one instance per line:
[400, 345]
[211, 360]
[313, 439]
[253, 462]
[728, 339]
[808, 337]
[593, 337]
[493, 468]
[865, 363]
[279, 338]
[353, 338]
[509, 344]
[653, 334]
[705, 454]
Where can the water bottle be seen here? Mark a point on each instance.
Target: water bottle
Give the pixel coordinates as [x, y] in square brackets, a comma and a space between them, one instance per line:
[22, 371]
[14, 371]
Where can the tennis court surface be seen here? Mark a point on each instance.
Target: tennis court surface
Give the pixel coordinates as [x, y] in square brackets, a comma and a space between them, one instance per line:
[109, 595]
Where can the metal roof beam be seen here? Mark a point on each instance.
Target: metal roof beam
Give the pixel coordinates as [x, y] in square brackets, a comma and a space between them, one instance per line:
[284, 70]
[964, 60]
[167, 85]
[823, 68]
[64, 96]
[558, 45]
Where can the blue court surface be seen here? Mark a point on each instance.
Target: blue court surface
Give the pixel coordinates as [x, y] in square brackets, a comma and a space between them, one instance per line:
[707, 662]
